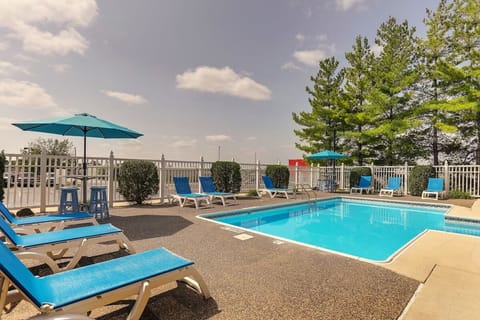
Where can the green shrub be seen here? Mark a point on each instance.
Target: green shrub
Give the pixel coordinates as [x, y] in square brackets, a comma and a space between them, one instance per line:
[455, 194]
[418, 179]
[356, 173]
[252, 193]
[2, 171]
[279, 174]
[137, 180]
[226, 176]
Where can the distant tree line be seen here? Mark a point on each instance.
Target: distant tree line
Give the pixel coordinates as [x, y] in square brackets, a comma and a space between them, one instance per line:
[417, 99]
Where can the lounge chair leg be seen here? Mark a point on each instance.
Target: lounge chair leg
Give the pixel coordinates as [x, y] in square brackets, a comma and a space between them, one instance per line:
[141, 302]
[197, 283]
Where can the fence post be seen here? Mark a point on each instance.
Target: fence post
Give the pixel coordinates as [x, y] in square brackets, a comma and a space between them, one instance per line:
[372, 171]
[311, 176]
[257, 175]
[405, 187]
[43, 179]
[447, 177]
[342, 176]
[296, 174]
[200, 173]
[111, 176]
[162, 178]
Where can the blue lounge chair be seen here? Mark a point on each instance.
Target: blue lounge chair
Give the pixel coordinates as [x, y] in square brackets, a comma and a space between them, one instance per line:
[83, 289]
[184, 193]
[365, 183]
[208, 188]
[394, 186]
[434, 188]
[44, 223]
[55, 244]
[270, 188]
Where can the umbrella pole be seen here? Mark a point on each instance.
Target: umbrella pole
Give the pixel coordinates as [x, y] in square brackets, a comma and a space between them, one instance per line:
[84, 180]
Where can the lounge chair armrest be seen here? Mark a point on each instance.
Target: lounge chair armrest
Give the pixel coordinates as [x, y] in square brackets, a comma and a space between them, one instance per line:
[28, 255]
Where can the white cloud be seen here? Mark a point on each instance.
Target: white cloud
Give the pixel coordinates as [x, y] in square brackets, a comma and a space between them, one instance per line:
[3, 46]
[218, 138]
[61, 68]
[300, 39]
[28, 21]
[224, 81]
[376, 49]
[184, 143]
[310, 57]
[126, 97]
[24, 94]
[290, 66]
[321, 37]
[347, 4]
[8, 68]
[252, 138]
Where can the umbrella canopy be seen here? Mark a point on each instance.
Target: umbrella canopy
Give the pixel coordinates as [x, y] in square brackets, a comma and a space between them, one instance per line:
[326, 155]
[80, 125]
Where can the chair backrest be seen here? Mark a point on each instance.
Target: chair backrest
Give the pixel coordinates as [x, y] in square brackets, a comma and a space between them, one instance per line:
[435, 184]
[394, 183]
[267, 181]
[7, 230]
[207, 184]
[18, 273]
[6, 213]
[365, 181]
[181, 185]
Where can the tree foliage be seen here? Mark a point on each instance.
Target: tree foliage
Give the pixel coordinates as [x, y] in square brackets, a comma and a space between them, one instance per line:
[52, 147]
[415, 99]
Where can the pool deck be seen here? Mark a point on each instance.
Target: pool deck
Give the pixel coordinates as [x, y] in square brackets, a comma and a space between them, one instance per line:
[261, 278]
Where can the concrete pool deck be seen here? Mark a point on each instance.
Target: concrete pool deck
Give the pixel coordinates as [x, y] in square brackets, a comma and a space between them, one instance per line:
[260, 278]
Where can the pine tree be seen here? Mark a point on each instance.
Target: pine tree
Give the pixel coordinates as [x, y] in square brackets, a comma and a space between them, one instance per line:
[358, 85]
[321, 125]
[437, 117]
[461, 71]
[390, 102]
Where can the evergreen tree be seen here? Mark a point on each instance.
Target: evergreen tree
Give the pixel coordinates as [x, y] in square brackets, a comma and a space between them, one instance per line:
[438, 119]
[390, 102]
[461, 71]
[321, 125]
[358, 85]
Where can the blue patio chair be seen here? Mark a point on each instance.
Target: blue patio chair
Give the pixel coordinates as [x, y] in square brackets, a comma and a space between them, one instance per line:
[394, 186]
[270, 189]
[44, 223]
[365, 183]
[208, 188]
[55, 244]
[83, 289]
[434, 188]
[184, 193]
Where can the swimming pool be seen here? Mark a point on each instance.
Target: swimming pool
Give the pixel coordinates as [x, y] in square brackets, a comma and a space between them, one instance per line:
[373, 230]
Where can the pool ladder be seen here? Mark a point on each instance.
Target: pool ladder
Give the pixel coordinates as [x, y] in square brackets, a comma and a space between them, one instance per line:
[306, 188]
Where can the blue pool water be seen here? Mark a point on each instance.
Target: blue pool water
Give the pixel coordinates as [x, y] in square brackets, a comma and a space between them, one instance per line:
[372, 230]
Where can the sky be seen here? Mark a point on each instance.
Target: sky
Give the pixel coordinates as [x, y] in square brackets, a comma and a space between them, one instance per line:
[199, 78]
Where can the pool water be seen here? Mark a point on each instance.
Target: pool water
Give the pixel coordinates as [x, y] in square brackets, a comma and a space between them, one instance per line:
[373, 230]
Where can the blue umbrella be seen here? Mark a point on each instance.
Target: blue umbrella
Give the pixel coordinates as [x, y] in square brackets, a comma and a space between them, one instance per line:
[328, 155]
[80, 125]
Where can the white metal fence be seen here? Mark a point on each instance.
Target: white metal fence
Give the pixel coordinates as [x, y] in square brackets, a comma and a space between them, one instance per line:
[35, 180]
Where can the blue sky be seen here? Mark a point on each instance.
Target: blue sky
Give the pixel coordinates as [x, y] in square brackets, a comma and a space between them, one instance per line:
[190, 75]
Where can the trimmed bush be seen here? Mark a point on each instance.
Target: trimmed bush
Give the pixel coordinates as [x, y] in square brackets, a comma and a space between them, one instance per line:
[455, 194]
[226, 176]
[279, 174]
[138, 180]
[2, 171]
[418, 179]
[357, 172]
